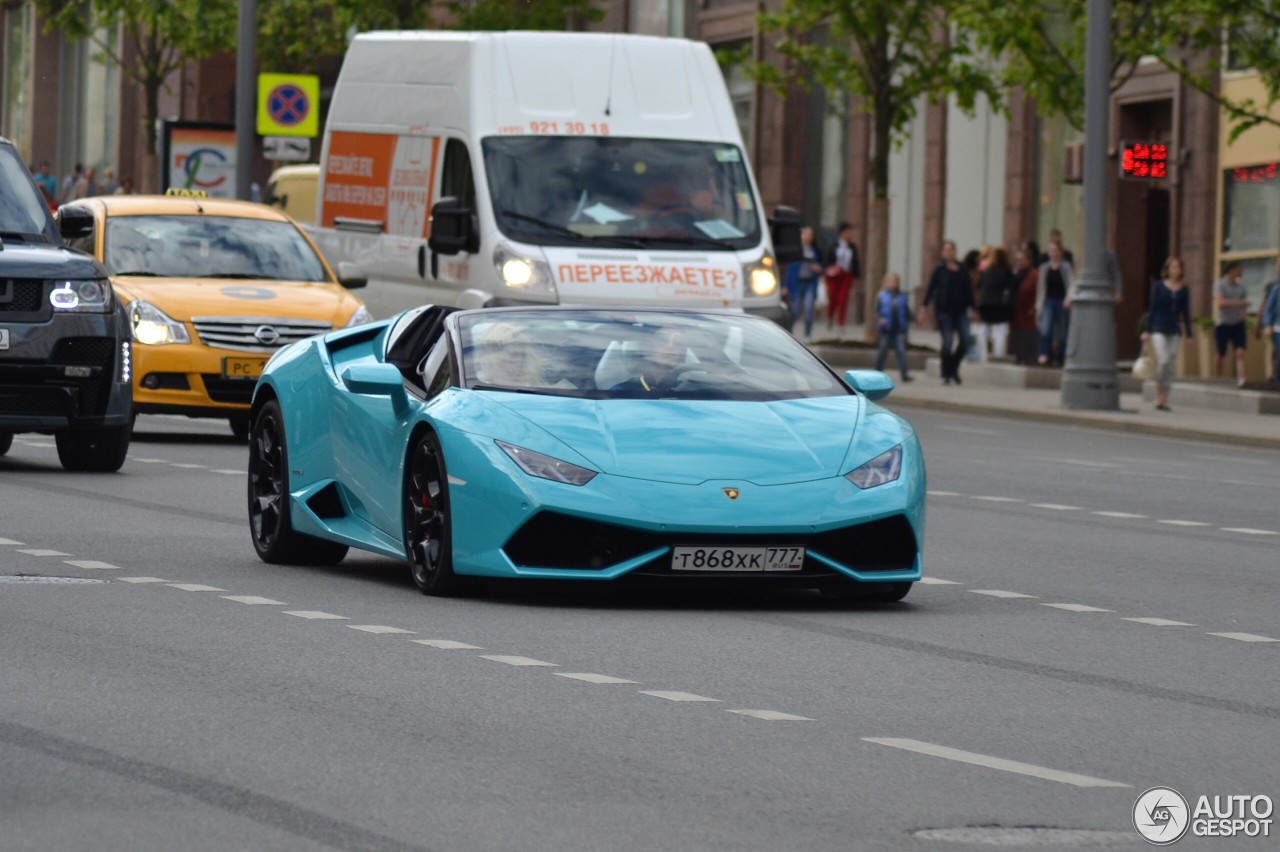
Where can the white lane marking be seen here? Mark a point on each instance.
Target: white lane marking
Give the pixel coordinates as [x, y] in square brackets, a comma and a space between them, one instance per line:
[1248, 531]
[377, 628]
[1233, 459]
[141, 580]
[230, 472]
[993, 762]
[148, 461]
[997, 593]
[9, 541]
[447, 644]
[453, 480]
[1161, 622]
[1081, 462]
[1078, 607]
[937, 581]
[1057, 507]
[771, 715]
[1121, 515]
[971, 430]
[195, 587]
[44, 444]
[1185, 523]
[91, 564]
[37, 551]
[187, 465]
[1245, 637]
[593, 678]
[676, 696]
[315, 615]
[516, 661]
[943, 493]
[996, 499]
[254, 600]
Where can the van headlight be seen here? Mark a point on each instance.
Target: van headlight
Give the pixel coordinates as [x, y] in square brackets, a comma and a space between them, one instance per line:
[91, 296]
[517, 271]
[153, 327]
[761, 277]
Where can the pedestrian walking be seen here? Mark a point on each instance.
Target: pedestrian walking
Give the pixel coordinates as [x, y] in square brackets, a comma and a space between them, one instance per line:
[844, 269]
[109, 184]
[997, 299]
[1055, 239]
[803, 277]
[1168, 318]
[893, 316]
[950, 292]
[1231, 301]
[1054, 284]
[87, 186]
[69, 184]
[1025, 338]
[125, 187]
[1270, 326]
[47, 182]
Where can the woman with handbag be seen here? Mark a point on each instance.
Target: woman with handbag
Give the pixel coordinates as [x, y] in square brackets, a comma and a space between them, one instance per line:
[1167, 319]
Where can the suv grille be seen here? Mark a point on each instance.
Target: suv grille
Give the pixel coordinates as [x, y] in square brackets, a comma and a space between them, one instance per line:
[22, 296]
[255, 334]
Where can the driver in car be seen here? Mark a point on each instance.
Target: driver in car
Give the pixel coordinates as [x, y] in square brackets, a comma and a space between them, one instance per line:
[660, 372]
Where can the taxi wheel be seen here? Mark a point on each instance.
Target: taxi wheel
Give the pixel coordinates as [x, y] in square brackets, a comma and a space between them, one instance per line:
[427, 533]
[6, 441]
[100, 450]
[274, 537]
[240, 424]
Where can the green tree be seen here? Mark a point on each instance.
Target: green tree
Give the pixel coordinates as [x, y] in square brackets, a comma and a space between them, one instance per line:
[883, 57]
[159, 36]
[519, 14]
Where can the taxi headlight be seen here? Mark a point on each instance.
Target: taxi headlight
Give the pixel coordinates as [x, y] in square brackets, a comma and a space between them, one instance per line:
[547, 467]
[89, 296]
[360, 317]
[762, 276]
[518, 271]
[153, 327]
[881, 470]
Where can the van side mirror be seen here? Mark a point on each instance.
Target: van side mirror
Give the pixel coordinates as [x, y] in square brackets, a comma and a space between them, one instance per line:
[75, 222]
[784, 228]
[351, 276]
[454, 228]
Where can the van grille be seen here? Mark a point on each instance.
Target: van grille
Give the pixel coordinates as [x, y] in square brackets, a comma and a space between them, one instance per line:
[255, 334]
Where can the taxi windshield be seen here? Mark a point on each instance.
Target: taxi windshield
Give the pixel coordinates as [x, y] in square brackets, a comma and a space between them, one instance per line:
[209, 247]
[620, 354]
[621, 192]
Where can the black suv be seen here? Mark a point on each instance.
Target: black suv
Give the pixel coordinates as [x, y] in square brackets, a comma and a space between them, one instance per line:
[65, 357]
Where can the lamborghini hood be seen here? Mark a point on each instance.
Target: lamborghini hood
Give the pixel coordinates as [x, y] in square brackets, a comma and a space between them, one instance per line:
[765, 443]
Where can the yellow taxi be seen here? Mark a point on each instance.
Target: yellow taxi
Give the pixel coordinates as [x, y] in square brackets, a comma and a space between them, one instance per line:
[212, 287]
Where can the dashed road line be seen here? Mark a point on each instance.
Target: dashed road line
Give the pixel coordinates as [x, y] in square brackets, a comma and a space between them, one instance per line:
[771, 715]
[989, 499]
[516, 661]
[1245, 637]
[1058, 507]
[195, 587]
[943, 493]
[593, 678]
[91, 564]
[1248, 531]
[1160, 622]
[378, 628]
[188, 465]
[231, 472]
[1130, 515]
[254, 600]
[1070, 607]
[447, 644]
[999, 593]
[148, 461]
[937, 581]
[990, 762]
[314, 615]
[39, 551]
[1184, 523]
[141, 580]
[9, 541]
[676, 696]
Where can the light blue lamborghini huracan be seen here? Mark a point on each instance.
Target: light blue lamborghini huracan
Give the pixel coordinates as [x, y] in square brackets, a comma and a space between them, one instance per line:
[586, 444]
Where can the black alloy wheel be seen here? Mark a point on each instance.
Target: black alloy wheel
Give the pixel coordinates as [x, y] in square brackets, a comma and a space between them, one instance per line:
[426, 520]
[273, 535]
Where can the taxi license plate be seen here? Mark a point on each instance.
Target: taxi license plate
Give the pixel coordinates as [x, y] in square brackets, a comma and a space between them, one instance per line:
[4, 338]
[737, 558]
[242, 368]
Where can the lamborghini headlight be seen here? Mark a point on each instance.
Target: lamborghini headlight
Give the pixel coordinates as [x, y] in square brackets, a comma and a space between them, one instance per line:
[762, 277]
[153, 327]
[546, 467]
[882, 469]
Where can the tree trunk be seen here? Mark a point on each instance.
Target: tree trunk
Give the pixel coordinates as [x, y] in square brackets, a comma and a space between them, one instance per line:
[877, 258]
[149, 181]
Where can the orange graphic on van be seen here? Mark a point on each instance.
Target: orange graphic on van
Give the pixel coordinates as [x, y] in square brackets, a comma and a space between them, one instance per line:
[356, 175]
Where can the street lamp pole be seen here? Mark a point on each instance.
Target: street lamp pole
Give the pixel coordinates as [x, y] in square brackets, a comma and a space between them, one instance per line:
[246, 95]
[1089, 378]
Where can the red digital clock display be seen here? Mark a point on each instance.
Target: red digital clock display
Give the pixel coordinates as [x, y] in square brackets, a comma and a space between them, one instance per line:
[1255, 174]
[1144, 160]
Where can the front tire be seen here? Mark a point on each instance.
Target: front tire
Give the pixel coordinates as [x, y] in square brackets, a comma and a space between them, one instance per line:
[274, 537]
[427, 531]
[99, 450]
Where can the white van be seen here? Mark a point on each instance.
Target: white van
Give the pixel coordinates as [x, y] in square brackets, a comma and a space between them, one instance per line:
[476, 169]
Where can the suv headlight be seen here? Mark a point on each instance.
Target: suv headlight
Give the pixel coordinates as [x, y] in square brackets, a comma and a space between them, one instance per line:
[546, 467]
[761, 277]
[153, 327]
[520, 272]
[90, 296]
[881, 470]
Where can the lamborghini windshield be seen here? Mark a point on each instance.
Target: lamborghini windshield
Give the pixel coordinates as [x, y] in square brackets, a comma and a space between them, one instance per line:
[638, 355]
[619, 192]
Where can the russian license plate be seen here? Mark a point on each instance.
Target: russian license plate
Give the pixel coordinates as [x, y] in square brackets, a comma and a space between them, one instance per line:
[737, 558]
[4, 338]
[242, 368]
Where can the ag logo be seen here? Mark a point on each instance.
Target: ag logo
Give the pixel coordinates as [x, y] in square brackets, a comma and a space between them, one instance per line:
[1161, 816]
[731, 493]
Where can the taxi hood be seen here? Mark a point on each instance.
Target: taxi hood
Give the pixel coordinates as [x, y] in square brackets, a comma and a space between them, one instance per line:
[184, 298]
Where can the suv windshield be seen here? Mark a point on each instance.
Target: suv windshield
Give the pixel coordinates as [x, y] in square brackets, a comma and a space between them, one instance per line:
[22, 211]
[611, 191]
[209, 247]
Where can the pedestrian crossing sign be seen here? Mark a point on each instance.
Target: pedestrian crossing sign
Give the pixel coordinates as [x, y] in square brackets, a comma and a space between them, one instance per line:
[288, 105]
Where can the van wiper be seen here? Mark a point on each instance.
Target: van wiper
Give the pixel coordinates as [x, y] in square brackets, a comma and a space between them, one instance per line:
[604, 240]
[543, 223]
[681, 240]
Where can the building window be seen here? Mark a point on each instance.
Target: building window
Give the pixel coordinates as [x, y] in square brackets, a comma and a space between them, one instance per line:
[99, 87]
[1251, 223]
[742, 89]
[657, 17]
[18, 64]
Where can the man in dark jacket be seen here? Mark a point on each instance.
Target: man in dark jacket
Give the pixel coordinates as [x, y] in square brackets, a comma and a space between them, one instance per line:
[951, 294]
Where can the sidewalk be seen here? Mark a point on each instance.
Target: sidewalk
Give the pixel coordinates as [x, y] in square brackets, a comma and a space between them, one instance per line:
[978, 395]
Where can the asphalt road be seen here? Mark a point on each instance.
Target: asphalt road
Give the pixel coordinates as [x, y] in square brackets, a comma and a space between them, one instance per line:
[1094, 627]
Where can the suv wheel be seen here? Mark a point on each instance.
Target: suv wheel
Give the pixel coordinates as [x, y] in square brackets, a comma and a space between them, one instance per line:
[100, 450]
[6, 441]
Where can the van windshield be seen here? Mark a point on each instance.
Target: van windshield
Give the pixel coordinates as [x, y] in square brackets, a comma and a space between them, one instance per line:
[620, 192]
